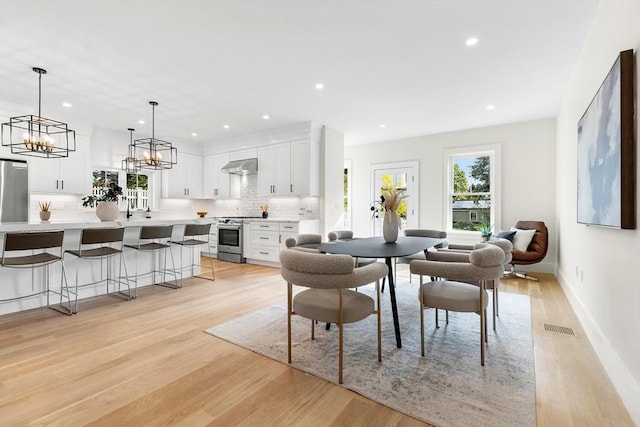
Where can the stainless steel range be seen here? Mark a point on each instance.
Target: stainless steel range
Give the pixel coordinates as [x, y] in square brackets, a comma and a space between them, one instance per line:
[230, 239]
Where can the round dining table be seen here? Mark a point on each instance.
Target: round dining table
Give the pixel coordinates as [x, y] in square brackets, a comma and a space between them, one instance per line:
[376, 247]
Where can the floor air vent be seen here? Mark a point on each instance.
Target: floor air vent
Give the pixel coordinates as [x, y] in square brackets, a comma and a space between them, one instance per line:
[558, 329]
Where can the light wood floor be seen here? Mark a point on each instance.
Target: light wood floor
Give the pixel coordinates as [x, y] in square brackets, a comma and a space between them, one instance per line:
[148, 362]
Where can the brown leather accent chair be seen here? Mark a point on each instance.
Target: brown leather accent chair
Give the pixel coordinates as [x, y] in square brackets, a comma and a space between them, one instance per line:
[536, 251]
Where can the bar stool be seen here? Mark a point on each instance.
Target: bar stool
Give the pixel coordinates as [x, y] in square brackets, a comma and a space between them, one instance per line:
[156, 238]
[102, 243]
[195, 235]
[38, 243]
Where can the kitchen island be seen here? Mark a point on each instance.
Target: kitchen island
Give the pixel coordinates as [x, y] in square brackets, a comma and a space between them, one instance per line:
[17, 283]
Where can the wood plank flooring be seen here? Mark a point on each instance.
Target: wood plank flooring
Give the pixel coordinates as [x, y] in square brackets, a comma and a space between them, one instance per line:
[148, 362]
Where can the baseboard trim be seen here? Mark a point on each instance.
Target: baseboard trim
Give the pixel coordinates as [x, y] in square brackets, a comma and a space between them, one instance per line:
[627, 388]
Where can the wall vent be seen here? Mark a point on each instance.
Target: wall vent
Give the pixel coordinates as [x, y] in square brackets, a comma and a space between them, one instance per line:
[559, 329]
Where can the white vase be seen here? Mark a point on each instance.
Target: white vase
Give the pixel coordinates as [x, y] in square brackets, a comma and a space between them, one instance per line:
[107, 211]
[390, 225]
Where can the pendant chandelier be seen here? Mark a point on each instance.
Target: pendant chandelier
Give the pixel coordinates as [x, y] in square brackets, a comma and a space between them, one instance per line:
[154, 154]
[38, 136]
[131, 164]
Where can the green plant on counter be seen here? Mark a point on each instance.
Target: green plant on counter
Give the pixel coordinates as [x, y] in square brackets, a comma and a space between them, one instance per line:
[44, 206]
[110, 194]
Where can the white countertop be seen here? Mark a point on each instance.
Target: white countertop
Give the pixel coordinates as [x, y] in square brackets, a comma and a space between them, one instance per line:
[73, 225]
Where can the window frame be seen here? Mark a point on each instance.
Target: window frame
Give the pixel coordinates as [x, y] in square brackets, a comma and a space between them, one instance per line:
[494, 152]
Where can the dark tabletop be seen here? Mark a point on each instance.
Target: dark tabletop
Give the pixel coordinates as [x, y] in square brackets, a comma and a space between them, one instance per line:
[376, 247]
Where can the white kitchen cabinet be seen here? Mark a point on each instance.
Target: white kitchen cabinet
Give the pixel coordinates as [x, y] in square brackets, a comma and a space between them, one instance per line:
[215, 183]
[287, 229]
[66, 175]
[184, 179]
[267, 238]
[274, 170]
[305, 168]
[265, 241]
[289, 169]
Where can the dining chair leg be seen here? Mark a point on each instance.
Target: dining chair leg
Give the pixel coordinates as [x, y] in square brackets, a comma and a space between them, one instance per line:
[313, 330]
[289, 291]
[483, 323]
[341, 334]
[421, 318]
[437, 322]
[379, 321]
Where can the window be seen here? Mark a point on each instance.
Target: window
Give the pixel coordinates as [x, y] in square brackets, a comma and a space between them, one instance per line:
[346, 202]
[137, 192]
[135, 187]
[472, 193]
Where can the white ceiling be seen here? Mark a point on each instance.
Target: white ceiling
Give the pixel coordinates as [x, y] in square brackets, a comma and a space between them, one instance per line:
[210, 63]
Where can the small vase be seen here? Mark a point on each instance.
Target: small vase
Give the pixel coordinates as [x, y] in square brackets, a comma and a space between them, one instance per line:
[44, 216]
[390, 225]
[107, 211]
[265, 214]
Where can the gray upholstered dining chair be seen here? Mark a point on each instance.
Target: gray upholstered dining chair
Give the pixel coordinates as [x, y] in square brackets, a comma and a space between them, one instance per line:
[421, 232]
[462, 255]
[328, 298]
[456, 293]
[348, 235]
[309, 241]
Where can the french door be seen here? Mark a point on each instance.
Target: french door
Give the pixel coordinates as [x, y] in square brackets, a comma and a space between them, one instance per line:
[403, 176]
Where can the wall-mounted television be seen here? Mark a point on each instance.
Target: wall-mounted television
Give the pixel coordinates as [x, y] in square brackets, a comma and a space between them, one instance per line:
[607, 151]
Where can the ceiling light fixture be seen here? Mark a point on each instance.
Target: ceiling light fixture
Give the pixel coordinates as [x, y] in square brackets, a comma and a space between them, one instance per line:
[266, 117]
[490, 107]
[382, 125]
[131, 164]
[194, 134]
[226, 126]
[155, 154]
[471, 41]
[37, 136]
[319, 86]
[66, 104]
[141, 122]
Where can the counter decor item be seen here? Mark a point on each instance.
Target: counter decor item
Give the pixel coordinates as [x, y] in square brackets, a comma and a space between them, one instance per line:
[485, 231]
[202, 214]
[265, 211]
[45, 213]
[147, 213]
[390, 199]
[106, 201]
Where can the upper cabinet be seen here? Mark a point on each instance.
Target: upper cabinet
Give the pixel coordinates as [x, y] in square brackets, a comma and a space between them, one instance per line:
[65, 175]
[289, 169]
[215, 182]
[184, 179]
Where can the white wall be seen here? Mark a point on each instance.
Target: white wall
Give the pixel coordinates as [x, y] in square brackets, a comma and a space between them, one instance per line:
[528, 171]
[606, 292]
[331, 182]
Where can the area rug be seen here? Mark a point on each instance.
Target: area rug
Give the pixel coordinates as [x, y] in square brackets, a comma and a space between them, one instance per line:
[447, 387]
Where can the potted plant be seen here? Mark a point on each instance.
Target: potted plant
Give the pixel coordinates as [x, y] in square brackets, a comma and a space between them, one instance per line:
[485, 231]
[45, 212]
[106, 202]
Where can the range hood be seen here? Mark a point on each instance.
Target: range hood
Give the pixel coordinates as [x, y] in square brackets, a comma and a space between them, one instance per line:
[241, 167]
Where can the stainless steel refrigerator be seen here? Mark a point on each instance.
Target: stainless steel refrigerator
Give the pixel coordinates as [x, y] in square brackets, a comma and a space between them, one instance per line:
[14, 190]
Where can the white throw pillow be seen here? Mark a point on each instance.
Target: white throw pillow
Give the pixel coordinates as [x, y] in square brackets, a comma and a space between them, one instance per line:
[522, 239]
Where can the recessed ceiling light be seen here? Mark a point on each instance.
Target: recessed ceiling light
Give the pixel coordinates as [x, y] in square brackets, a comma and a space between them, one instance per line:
[194, 134]
[471, 41]
[226, 126]
[382, 125]
[490, 107]
[66, 104]
[141, 122]
[319, 86]
[266, 117]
